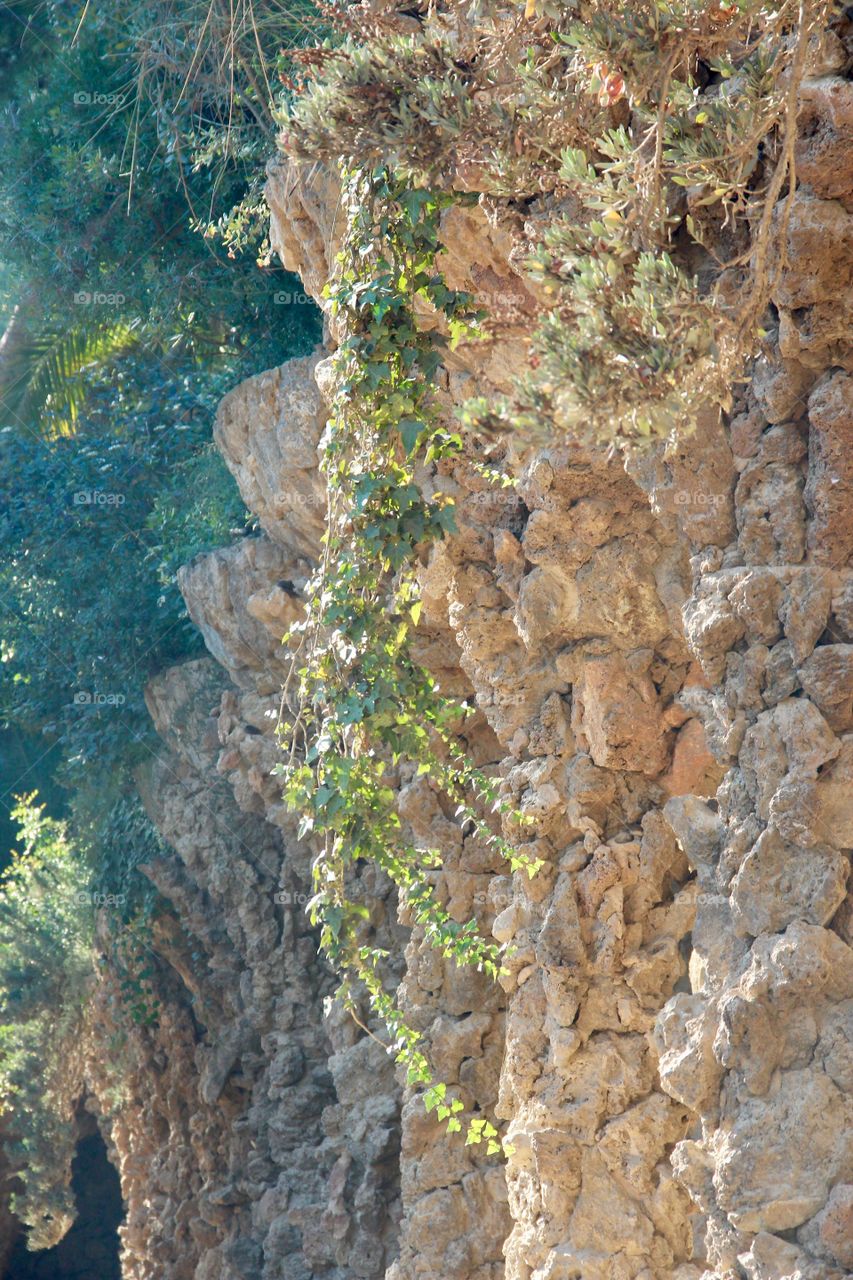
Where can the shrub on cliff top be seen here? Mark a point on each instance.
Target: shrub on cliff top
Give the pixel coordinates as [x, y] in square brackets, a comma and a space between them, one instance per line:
[655, 125]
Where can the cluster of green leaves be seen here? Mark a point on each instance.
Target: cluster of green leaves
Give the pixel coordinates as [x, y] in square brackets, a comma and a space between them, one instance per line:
[116, 836]
[46, 972]
[360, 706]
[715, 143]
[134, 966]
[197, 509]
[630, 349]
[49, 896]
[400, 101]
[632, 346]
[436, 105]
[123, 136]
[48, 378]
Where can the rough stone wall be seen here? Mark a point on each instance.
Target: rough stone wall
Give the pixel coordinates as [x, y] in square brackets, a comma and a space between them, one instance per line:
[761, 1048]
[659, 648]
[572, 655]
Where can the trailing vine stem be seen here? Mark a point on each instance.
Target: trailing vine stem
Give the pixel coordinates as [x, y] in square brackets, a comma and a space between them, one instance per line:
[357, 708]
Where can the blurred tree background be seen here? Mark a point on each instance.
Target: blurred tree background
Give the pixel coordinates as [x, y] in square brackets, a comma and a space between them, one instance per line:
[136, 287]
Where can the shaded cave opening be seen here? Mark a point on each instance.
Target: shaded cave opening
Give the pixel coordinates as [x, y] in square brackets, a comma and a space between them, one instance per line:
[90, 1250]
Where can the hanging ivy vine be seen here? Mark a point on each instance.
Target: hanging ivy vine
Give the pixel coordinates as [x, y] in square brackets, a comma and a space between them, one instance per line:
[357, 706]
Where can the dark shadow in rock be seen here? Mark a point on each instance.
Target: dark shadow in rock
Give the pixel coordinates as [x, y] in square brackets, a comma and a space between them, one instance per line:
[90, 1250]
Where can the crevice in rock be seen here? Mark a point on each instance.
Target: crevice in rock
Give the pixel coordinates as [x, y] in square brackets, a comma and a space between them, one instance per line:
[90, 1250]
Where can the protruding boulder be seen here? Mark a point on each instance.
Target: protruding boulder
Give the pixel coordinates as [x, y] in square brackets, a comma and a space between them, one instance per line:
[268, 430]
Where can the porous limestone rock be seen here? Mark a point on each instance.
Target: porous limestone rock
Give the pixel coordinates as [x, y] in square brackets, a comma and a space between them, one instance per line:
[268, 430]
[575, 606]
[761, 1048]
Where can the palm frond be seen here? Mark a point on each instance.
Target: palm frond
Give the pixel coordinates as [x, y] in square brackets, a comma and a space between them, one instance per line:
[45, 382]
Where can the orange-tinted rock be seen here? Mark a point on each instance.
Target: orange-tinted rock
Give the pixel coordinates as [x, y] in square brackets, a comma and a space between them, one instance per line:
[694, 771]
[829, 490]
[618, 713]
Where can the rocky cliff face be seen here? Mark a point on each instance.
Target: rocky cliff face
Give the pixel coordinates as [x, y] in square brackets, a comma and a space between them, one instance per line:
[255, 1136]
[660, 651]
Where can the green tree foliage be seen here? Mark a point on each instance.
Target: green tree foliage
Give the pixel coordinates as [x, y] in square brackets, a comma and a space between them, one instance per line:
[47, 374]
[124, 327]
[91, 532]
[103, 190]
[46, 970]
